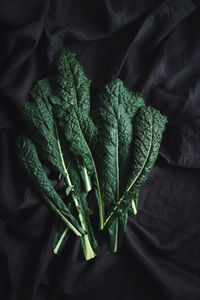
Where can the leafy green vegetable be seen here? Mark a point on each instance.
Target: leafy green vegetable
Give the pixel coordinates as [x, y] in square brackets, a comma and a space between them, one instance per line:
[107, 154]
[42, 126]
[72, 85]
[73, 89]
[72, 109]
[44, 129]
[116, 137]
[149, 126]
[35, 171]
[131, 101]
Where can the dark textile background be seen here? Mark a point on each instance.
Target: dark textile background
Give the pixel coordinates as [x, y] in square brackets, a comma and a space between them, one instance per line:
[154, 47]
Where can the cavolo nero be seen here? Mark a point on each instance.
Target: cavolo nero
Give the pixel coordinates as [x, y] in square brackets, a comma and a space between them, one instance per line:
[105, 154]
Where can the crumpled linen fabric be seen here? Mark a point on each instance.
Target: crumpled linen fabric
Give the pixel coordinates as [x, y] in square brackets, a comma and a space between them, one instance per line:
[153, 46]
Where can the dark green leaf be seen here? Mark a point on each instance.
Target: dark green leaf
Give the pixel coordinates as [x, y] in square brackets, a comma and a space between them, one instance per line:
[42, 127]
[32, 165]
[131, 101]
[116, 138]
[148, 129]
[73, 114]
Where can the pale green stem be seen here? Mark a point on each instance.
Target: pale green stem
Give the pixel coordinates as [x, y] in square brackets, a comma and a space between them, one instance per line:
[134, 207]
[89, 251]
[55, 250]
[87, 179]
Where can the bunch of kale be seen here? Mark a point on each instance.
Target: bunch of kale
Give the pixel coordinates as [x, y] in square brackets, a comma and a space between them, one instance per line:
[104, 154]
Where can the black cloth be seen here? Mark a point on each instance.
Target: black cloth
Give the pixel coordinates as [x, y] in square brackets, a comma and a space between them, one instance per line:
[154, 47]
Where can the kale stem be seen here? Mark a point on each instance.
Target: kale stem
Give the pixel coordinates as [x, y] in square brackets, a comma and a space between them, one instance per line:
[55, 250]
[116, 234]
[134, 207]
[70, 225]
[88, 251]
[87, 182]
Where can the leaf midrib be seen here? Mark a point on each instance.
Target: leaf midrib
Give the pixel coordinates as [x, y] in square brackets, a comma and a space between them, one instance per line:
[61, 156]
[117, 167]
[139, 173]
[94, 167]
[47, 128]
[128, 189]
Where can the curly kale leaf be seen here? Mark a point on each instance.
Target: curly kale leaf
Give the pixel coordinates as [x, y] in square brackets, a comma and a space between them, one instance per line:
[73, 88]
[148, 127]
[72, 109]
[42, 127]
[72, 85]
[131, 101]
[112, 151]
[32, 165]
[116, 137]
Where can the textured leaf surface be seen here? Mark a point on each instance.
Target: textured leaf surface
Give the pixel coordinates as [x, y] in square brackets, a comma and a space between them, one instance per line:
[42, 127]
[116, 138]
[28, 155]
[71, 105]
[120, 140]
[73, 114]
[39, 117]
[149, 126]
[131, 101]
[73, 87]
[73, 95]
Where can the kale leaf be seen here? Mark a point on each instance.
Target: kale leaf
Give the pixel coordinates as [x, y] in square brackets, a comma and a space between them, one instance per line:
[44, 129]
[36, 174]
[107, 155]
[116, 136]
[148, 127]
[72, 109]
